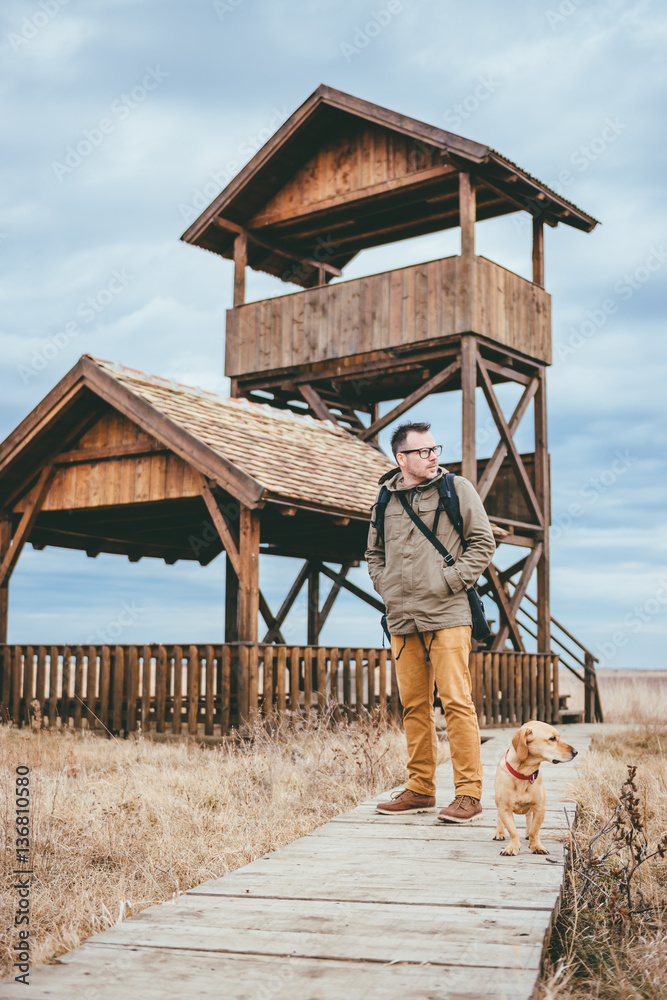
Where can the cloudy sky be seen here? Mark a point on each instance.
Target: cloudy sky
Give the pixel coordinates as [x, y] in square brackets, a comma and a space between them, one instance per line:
[173, 97]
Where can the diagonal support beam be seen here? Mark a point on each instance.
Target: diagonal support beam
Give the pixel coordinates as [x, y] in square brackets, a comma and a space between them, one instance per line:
[228, 541]
[316, 403]
[501, 424]
[519, 593]
[357, 591]
[503, 575]
[269, 620]
[294, 591]
[333, 594]
[415, 397]
[502, 599]
[32, 509]
[495, 462]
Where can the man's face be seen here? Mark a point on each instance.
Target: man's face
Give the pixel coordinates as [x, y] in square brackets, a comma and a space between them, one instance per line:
[416, 469]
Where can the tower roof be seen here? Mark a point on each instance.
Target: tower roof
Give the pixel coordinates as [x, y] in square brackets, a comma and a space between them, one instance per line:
[342, 174]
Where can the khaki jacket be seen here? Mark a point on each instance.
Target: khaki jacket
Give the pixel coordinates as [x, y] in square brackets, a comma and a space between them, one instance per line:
[421, 593]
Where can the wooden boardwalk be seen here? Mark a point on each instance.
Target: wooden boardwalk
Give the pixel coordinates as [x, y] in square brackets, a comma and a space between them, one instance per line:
[366, 906]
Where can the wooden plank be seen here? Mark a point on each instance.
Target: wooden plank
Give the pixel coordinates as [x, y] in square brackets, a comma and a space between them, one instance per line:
[229, 543]
[253, 684]
[358, 683]
[281, 679]
[177, 701]
[78, 687]
[347, 683]
[538, 250]
[436, 382]
[41, 679]
[193, 687]
[295, 679]
[146, 664]
[370, 674]
[249, 538]
[65, 698]
[321, 680]
[209, 710]
[118, 685]
[132, 688]
[267, 680]
[225, 689]
[160, 689]
[382, 683]
[467, 213]
[334, 660]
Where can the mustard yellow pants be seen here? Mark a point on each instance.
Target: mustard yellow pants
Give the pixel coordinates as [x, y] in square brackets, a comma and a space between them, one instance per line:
[448, 666]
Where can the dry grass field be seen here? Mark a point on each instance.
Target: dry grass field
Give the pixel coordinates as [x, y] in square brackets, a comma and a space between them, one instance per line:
[635, 696]
[120, 824]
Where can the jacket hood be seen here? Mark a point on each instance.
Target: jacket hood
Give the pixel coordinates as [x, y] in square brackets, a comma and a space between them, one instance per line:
[392, 479]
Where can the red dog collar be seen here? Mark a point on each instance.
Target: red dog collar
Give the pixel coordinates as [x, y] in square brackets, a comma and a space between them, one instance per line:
[524, 777]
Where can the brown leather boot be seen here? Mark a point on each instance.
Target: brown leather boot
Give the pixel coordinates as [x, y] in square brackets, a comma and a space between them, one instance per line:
[406, 801]
[464, 809]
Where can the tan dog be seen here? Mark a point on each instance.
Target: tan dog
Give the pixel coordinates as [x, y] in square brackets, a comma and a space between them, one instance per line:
[519, 786]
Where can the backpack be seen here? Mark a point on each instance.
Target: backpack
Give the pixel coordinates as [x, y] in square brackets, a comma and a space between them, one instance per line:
[449, 502]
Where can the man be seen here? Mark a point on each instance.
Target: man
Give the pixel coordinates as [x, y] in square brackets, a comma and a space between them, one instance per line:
[429, 619]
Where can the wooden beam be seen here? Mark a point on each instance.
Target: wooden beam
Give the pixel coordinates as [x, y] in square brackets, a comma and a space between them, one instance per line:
[468, 407]
[269, 620]
[313, 607]
[249, 536]
[467, 213]
[252, 235]
[316, 403]
[515, 458]
[357, 591]
[229, 543]
[504, 575]
[292, 595]
[430, 386]
[333, 594]
[25, 526]
[109, 451]
[5, 543]
[240, 263]
[543, 491]
[502, 600]
[519, 592]
[538, 251]
[495, 462]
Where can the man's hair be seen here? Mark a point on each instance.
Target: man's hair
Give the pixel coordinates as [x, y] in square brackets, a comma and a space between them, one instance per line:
[400, 435]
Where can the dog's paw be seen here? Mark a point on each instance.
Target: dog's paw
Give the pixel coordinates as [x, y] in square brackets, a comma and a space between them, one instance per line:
[499, 836]
[539, 849]
[509, 851]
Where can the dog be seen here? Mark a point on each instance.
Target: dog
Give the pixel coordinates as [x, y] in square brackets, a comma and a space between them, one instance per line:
[519, 786]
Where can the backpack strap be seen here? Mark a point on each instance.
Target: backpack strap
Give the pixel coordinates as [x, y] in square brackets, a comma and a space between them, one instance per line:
[380, 507]
[449, 502]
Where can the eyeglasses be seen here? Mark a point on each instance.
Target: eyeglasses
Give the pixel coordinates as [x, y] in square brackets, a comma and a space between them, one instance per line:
[424, 452]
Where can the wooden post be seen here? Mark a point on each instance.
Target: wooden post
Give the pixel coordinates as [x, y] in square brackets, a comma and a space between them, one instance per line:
[538, 251]
[240, 263]
[248, 600]
[468, 386]
[5, 542]
[231, 603]
[313, 604]
[467, 213]
[542, 490]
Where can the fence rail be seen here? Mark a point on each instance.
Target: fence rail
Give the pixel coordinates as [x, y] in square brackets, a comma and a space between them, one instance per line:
[212, 689]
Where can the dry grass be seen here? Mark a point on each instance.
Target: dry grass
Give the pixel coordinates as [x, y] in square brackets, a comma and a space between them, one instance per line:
[636, 696]
[597, 950]
[119, 825]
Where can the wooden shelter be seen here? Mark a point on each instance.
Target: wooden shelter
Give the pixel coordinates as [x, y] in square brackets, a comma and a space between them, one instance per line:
[118, 461]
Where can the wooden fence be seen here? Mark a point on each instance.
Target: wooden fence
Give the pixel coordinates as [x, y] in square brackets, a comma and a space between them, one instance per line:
[212, 689]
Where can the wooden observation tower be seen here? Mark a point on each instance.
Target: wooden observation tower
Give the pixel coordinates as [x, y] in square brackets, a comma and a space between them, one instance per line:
[342, 175]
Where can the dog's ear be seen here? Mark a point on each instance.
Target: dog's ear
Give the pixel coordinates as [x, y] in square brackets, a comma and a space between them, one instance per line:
[519, 743]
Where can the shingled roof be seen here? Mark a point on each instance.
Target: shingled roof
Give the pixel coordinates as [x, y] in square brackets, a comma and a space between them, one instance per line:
[293, 457]
[255, 452]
